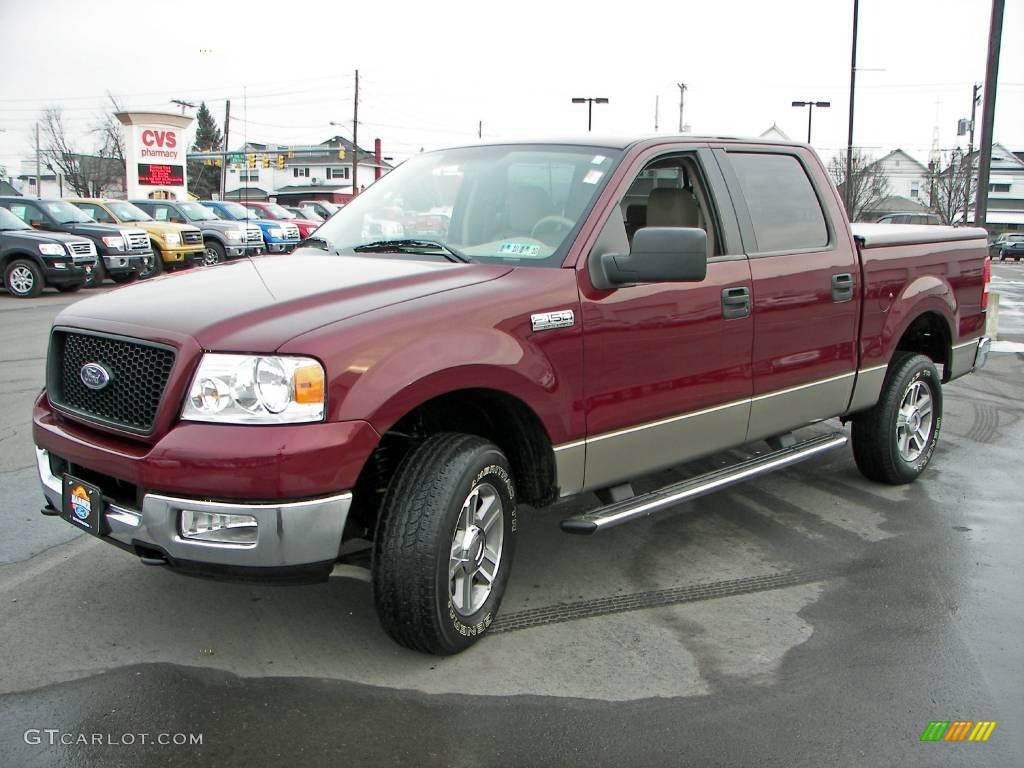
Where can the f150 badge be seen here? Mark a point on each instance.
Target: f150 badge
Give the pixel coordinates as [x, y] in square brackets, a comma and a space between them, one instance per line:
[545, 321]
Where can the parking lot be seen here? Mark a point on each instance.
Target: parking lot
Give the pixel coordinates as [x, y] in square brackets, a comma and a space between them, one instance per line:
[805, 618]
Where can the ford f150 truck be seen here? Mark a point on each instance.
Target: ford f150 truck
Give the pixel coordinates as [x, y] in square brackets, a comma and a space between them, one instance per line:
[123, 251]
[278, 237]
[594, 312]
[275, 212]
[30, 260]
[174, 245]
[222, 240]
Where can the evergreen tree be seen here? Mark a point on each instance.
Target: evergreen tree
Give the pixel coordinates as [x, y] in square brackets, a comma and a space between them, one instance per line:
[204, 180]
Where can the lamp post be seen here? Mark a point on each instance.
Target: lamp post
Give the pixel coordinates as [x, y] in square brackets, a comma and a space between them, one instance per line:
[810, 112]
[590, 102]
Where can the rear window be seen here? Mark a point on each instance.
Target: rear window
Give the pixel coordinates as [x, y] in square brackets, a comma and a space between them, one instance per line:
[784, 209]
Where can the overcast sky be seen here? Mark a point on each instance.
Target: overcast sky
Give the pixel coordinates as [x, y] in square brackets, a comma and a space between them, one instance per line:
[430, 71]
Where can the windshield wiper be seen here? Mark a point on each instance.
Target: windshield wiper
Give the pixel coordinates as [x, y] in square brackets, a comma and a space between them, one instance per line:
[412, 246]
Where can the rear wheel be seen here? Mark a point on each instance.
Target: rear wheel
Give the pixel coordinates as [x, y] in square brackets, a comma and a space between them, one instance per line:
[444, 544]
[23, 279]
[895, 440]
[214, 254]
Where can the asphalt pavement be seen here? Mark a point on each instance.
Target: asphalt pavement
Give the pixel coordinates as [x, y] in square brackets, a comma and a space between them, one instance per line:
[806, 618]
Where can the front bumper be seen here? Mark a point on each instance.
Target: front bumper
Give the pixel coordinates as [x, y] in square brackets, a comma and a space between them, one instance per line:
[293, 537]
[182, 254]
[287, 247]
[126, 263]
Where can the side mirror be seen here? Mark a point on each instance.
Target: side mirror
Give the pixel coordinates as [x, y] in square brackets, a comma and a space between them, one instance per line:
[659, 255]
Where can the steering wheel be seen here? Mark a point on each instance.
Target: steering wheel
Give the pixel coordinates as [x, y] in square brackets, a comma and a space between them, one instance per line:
[554, 227]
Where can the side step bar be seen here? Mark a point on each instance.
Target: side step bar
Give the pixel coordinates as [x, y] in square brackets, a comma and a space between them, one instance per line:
[638, 506]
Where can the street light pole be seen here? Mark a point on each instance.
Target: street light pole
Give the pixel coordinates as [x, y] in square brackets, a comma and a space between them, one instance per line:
[810, 112]
[590, 102]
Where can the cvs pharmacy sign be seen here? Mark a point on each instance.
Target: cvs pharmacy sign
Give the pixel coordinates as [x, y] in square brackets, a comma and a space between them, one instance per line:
[158, 142]
[152, 138]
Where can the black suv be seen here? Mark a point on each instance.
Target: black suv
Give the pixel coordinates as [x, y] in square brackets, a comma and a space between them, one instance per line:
[30, 260]
[1009, 245]
[124, 252]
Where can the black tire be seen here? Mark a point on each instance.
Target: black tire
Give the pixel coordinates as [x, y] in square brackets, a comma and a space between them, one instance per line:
[69, 288]
[214, 253]
[420, 514]
[155, 266]
[99, 274]
[125, 278]
[23, 279]
[876, 432]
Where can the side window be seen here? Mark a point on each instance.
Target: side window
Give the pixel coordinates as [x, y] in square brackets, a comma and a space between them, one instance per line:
[28, 213]
[783, 207]
[96, 212]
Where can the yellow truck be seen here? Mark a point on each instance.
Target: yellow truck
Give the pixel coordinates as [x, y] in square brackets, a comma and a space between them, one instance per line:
[174, 245]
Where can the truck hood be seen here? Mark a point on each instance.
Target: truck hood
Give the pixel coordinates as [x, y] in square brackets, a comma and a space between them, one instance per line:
[41, 236]
[98, 230]
[221, 225]
[256, 305]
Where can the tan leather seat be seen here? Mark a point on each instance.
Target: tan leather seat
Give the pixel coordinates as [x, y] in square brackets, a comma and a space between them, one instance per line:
[669, 207]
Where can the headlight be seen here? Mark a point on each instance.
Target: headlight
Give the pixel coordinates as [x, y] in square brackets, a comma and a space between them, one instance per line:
[173, 238]
[235, 234]
[51, 249]
[276, 232]
[114, 241]
[245, 389]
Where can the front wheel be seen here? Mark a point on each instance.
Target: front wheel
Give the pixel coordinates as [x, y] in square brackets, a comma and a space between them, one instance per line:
[23, 279]
[213, 254]
[895, 440]
[154, 265]
[444, 544]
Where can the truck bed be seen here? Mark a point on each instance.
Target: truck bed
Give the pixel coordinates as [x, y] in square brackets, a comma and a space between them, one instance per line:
[876, 235]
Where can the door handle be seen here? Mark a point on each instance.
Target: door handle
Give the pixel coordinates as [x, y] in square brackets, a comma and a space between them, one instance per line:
[842, 287]
[735, 302]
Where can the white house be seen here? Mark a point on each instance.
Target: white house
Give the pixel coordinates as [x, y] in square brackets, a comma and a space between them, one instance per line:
[319, 171]
[1005, 190]
[908, 178]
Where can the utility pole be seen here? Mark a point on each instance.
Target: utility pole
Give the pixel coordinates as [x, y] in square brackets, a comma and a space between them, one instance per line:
[224, 157]
[655, 114]
[355, 140]
[970, 151]
[183, 104]
[988, 111]
[848, 188]
[39, 174]
[682, 94]
[480, 129]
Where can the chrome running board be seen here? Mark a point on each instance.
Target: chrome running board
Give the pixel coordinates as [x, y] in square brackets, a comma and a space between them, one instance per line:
[639, 506]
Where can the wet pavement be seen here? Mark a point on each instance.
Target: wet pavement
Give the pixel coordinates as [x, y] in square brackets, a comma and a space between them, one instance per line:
[806, 618]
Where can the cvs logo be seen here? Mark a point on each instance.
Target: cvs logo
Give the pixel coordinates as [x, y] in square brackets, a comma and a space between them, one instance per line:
[159, 138]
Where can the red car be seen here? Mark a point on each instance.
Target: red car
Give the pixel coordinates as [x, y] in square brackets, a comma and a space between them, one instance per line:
[276, 212]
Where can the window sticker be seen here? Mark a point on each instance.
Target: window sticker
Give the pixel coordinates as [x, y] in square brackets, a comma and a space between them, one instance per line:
[518, 249]
[598, 159]
[593, 176]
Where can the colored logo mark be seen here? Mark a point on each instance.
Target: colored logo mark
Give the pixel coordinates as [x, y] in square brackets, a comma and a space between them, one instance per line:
[80, 503]
[958, 730]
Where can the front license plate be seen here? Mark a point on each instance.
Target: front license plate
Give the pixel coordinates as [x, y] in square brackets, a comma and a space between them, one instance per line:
[82, 505]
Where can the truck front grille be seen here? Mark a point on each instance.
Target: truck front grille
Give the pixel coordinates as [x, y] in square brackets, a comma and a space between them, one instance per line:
[137, 241]
[190, 237]
[138, 373]
[291, 232]
[253, 235]
[82, 248]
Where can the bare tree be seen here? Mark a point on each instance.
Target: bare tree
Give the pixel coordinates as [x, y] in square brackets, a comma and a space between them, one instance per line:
[869, 186]
[87, 173]
[951, 196]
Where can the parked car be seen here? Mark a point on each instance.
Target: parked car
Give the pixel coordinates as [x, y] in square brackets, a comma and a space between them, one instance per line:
[910, 218]
[275, 212]
[278, 237]
[174, 245]
[305, 213]
[31, 260]
[222, 240]
[416, 391]
[1009, 245]
[322, 208]
[123, 252]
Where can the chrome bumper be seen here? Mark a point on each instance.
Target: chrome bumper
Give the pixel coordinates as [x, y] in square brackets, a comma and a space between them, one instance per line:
[981, 355]
[288, 533]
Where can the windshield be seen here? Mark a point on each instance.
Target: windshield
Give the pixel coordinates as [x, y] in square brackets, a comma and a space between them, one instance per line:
[1016, 238]
[197, 212]
[66, 213]
[128, 212]
[9, 221]
[517, 204]
[236, 211]
[305, 213]
[275, 211]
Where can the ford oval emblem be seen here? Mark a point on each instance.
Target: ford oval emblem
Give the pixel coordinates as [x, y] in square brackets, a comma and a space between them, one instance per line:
[94, 376]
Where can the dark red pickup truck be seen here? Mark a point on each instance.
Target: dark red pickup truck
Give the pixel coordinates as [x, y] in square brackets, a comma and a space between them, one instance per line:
[576, 315]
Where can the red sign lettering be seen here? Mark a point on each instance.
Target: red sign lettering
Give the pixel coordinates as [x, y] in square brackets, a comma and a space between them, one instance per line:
[159, 138]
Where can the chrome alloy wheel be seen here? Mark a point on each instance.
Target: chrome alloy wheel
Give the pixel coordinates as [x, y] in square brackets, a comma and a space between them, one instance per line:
[21, 280]
[914, 421]
[210, 257]
[476, 549]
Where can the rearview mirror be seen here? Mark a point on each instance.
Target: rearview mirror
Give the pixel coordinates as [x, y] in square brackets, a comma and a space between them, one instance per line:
[659, 255]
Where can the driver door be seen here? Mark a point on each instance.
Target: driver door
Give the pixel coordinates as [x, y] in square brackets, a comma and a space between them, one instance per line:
[667, 366]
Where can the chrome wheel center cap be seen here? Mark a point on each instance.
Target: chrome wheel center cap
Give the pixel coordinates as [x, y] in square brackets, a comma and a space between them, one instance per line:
[914, 420]
[473, 545]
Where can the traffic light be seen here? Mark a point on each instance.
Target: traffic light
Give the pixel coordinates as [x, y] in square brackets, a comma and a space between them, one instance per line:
[266, 161]
[280, 161]
[251, 160]
[341, 153]
[218, 162]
